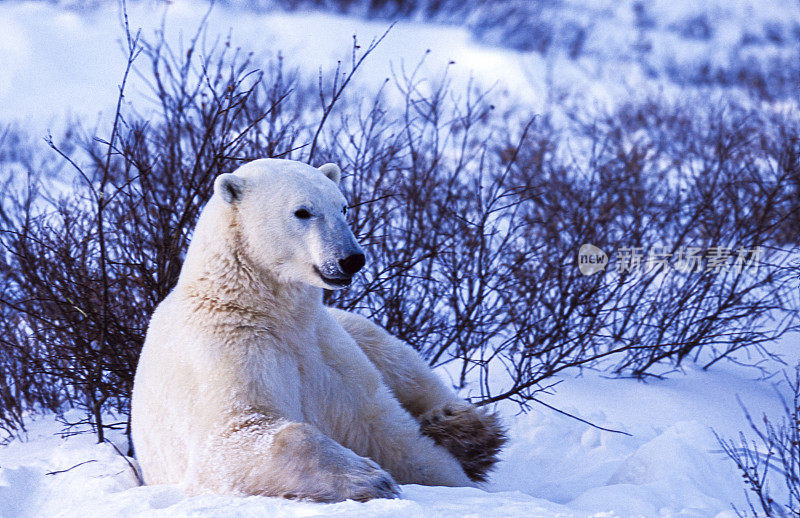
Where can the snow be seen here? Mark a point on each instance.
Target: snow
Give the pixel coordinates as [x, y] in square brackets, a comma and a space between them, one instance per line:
[51, 58]
[554, 466]
[106, 486]
[58, 63]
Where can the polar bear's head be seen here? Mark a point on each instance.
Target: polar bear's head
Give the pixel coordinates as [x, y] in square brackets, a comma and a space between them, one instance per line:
[292, 220]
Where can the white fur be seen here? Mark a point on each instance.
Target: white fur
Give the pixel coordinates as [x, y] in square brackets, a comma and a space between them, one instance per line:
[247, 384]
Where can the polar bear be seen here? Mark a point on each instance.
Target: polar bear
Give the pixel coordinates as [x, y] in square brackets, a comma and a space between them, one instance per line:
[247, 384]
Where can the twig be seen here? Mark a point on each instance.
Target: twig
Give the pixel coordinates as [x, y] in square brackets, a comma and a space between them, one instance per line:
[551, 407]
[69, 469]
[133, 468]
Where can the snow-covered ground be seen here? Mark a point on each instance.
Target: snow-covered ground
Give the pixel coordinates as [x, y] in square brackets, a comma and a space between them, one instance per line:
[57, 63]
[671, 465]
[105, 486]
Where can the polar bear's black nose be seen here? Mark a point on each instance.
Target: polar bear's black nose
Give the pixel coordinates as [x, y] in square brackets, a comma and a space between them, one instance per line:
[352, 264]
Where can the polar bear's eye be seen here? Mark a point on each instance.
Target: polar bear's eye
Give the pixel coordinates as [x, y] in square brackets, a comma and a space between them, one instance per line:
[344, 209]
[302, 214]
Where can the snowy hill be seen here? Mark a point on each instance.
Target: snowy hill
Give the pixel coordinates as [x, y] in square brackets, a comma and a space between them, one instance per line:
[61, 62]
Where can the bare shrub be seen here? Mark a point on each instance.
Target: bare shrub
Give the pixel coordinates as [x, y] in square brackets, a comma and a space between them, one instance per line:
[473, 246]
[662, 179]
[770, 462]
[22, 386]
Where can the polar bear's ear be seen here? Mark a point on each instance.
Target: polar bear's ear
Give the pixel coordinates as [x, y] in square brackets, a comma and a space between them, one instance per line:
[229, 187]
[332, 171]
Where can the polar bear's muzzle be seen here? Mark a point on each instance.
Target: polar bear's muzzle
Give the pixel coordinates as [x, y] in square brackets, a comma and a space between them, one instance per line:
[340, 273]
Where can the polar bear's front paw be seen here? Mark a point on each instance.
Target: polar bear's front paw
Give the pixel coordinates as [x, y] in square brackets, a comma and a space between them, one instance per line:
[471, 434]
[366, 480]
[308, 465]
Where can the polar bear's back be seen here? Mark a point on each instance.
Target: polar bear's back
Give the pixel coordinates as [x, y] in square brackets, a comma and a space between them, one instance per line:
[164, 396]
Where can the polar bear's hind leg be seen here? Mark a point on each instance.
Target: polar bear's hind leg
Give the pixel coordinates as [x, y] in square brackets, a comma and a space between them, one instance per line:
[471, 434]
